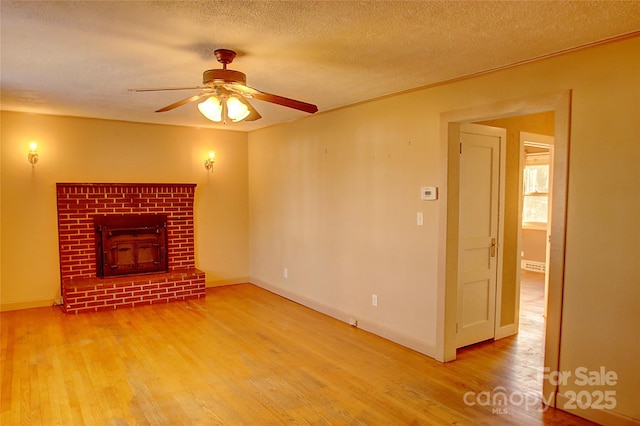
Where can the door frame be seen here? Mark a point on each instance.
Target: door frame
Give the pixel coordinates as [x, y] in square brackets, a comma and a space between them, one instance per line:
[560, 104]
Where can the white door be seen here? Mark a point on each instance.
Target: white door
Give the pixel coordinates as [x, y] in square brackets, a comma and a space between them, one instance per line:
[478, 227]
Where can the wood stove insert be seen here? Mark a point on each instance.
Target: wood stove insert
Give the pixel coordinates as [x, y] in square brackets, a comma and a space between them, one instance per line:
[131, 244]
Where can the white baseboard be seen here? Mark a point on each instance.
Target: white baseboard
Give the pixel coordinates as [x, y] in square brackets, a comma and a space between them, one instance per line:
[505, 331]
[231, 281]
[600, 416]
[5, 307]
[378, 330]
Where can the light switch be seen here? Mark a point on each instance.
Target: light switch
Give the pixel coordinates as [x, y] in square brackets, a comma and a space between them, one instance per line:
[420, 219]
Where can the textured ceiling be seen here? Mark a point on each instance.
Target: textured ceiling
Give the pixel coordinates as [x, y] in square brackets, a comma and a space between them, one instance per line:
[79, 58]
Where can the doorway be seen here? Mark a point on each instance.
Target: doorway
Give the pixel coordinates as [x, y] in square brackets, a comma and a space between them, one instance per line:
[448, 260]
[497, 228]
[536, 196]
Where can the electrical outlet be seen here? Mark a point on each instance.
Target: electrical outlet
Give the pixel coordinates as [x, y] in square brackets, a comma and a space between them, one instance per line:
[374, 299]
[285, 272]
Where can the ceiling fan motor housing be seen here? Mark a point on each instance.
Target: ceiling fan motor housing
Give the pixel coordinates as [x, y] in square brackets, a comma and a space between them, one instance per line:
[210, 77]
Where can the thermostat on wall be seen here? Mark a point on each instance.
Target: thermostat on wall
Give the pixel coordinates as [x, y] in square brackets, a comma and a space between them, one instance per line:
[429, 193]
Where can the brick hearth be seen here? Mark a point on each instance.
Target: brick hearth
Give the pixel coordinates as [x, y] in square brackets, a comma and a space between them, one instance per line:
[79, 203]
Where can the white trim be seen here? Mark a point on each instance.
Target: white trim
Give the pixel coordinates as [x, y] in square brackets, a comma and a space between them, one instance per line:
[229, 281]
[535, 226]
[600, 416]
[378, 330]
[505, 331]
[6, 307]
[497, 328]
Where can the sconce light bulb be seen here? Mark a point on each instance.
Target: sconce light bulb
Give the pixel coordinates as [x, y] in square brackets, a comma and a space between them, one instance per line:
[33, 153]
[209, 163]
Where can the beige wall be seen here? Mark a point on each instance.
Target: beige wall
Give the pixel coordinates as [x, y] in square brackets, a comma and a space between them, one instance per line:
[334, 200]
[534, 244]
[88, 150]
[334, 197]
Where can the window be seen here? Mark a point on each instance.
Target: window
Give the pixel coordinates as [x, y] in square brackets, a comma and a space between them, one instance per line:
[535, 206]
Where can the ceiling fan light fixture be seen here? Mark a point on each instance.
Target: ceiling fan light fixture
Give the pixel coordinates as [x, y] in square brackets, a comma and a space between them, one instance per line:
[236, 109]
[226, 91]
[211, 109]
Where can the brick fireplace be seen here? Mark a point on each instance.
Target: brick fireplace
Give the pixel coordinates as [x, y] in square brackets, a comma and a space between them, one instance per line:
[85, 209]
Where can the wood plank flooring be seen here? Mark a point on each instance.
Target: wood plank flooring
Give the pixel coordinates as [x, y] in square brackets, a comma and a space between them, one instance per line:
[244, 356]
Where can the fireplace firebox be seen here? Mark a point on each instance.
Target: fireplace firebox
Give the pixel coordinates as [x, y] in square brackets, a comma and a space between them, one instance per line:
[131, 244]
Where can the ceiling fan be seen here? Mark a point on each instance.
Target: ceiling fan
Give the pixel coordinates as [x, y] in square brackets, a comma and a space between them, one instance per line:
[225, 93]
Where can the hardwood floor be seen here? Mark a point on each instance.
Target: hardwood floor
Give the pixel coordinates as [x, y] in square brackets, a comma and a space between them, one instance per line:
[245, 356]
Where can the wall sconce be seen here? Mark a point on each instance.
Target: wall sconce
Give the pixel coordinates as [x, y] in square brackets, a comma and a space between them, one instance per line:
[33, 153]
[209, 163]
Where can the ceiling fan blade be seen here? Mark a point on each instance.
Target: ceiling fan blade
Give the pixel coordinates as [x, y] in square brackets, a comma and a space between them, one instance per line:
[268, 97]
[163, 89]
[281, 100]
[253, 114]
[183, 102]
